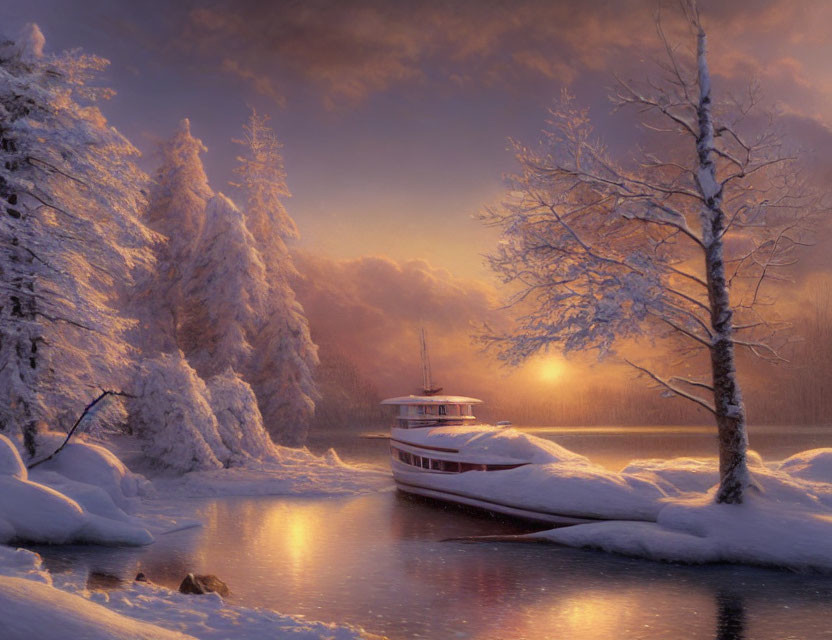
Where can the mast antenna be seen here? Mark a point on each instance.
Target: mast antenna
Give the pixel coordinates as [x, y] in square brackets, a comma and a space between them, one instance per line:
[427, 387]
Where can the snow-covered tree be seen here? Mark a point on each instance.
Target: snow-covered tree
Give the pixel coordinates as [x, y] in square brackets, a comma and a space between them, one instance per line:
[178, 199]
[240, 423]
[70, 241]
[677, 245]
[188, 424]
[225, 289]
[171, 415]
[282, 370]
[263, 180]
[282, 374]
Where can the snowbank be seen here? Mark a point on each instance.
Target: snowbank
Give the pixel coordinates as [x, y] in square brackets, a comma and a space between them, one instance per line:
[785, 520]
[50, 507]
[30, 607]
[85, 463]
[815, 465]
[761, 531]
[207, 617]
[295, 472]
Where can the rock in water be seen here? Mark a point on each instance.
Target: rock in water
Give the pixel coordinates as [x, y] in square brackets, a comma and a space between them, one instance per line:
[198, 585]
[102, 581]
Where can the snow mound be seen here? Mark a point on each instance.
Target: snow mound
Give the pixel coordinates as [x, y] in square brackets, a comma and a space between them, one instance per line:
[814, 465]
[39, 513]
[11, 463]
[91, 464]
[186, 424]
[30, 609]
[761, 531]
[208, 618]
[784, 521]
[173, 418]
[683, 475]
[20, 563]
[294, 472]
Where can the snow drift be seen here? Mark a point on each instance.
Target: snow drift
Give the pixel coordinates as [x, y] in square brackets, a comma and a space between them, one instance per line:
[785, 520]
[288, 472]
[31, 607]
[70, 510]
[35, 610]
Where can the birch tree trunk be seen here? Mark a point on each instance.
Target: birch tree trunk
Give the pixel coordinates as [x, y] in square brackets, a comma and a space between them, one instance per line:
[730, 412]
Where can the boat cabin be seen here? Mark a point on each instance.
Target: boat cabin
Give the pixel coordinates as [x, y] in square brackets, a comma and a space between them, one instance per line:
[433, 411]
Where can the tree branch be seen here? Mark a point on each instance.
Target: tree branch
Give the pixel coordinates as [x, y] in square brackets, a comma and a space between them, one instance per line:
[84, 414]
[673, 389]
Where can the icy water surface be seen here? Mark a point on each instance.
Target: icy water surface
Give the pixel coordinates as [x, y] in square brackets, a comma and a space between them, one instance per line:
[380, 561]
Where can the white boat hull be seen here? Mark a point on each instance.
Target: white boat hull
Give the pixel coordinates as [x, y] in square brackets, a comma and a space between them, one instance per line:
[428, 484]
[436, 444]
[489, 506]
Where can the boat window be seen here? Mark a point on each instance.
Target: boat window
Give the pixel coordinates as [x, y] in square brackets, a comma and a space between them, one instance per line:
[443, 410]
[447, 466]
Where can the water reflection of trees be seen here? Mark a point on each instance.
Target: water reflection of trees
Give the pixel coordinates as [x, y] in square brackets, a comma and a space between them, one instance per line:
[730, 615]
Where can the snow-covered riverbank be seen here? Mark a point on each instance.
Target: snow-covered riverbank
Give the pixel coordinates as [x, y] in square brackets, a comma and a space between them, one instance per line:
[86, 495]
[785, 520]
[32, 607]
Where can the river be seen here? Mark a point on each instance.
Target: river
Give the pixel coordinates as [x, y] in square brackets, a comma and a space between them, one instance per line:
[382, 561]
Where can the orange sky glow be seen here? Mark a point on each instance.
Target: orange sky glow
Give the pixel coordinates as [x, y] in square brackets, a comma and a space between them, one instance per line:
[395, 119]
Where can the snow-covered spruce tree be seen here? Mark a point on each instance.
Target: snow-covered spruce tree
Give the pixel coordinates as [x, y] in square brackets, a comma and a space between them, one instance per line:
[178, 197]
[70, 239]
[282, 373]
[187, 424]
[225, 287]
[171, 415]
[601, 251]
[240, 423]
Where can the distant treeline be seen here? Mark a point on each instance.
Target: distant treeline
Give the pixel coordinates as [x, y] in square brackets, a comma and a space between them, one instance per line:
[798, 391]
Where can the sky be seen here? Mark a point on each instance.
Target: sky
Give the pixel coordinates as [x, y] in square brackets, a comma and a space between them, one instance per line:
[395, 119]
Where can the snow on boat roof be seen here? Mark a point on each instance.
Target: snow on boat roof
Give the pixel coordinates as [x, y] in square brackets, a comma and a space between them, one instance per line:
[417, 400]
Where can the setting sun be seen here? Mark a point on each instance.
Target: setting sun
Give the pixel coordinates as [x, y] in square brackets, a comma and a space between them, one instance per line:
[551, 369]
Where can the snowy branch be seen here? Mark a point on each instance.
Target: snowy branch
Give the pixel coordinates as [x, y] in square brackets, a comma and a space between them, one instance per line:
[87, 410]
[672, 388]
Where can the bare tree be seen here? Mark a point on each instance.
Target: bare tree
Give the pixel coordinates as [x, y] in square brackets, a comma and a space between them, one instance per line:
[674, 244]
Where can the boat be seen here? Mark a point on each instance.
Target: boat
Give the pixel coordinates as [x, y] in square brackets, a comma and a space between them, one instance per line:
[439, 450]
